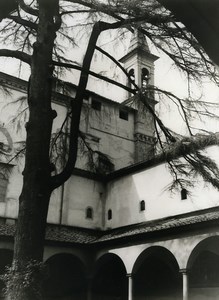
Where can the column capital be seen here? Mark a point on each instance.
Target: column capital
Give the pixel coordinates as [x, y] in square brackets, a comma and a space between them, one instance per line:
[184, 271]
[128, 274]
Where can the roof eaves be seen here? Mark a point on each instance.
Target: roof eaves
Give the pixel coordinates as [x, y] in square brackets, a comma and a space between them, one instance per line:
[82, 236]
[152, 228]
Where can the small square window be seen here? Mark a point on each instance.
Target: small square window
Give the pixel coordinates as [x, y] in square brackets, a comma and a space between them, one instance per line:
[96, 105]
[124, 115]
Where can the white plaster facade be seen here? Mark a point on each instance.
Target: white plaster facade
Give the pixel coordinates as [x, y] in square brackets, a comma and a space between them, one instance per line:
[110, 134]
[176, 241]
[151, 184]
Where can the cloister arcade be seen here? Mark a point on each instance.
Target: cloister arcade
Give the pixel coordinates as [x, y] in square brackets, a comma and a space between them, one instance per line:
[174, 269]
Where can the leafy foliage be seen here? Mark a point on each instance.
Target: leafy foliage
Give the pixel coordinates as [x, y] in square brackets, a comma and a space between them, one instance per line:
[162, 29]
[187, 161]
[39, 33]
[97, 161]
[27, 277]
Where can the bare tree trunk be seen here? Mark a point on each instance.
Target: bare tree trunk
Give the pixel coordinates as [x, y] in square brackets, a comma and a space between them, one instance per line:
[25, 280]
[26, 273]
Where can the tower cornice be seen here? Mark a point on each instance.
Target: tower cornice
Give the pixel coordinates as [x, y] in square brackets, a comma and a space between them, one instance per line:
[139, 52]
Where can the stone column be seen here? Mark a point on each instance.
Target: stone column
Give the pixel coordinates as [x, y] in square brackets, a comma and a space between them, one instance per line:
[185, 283]
[129, 286]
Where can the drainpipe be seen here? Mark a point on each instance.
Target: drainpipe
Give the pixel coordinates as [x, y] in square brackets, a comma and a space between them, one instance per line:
[61, 204]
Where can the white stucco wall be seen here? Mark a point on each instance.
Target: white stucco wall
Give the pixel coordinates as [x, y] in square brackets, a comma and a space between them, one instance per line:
[123, 196]
[80, 193]
[9, 207]
[115, 139]
[67, 207]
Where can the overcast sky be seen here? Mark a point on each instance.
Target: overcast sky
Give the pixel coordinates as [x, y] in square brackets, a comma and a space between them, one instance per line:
[166, 77]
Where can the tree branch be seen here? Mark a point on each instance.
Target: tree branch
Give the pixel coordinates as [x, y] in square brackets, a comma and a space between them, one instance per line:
[141, 97]
[76, 104]
[27, 8]
[118, 10]
[6, 8]
[120, 66]
[78, 11]
[23, 22]
[97, 6]
[96, 75]
[26, 58]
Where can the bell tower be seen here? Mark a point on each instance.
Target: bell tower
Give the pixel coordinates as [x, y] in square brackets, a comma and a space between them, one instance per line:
[139, 63]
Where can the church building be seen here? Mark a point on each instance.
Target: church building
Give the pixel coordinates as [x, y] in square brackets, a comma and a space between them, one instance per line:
[115, 231]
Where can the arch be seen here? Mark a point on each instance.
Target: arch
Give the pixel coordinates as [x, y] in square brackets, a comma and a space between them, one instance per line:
[131, 73]
[210, 243]
[109, 280]
[145, 77]
[65, 277]
[156, 274]
[50, 251]
[203, 265]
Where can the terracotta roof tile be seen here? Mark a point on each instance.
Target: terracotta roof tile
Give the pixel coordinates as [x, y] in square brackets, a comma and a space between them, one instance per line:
[81, 236]
[158, 225]
[7, 230]
[70, 234]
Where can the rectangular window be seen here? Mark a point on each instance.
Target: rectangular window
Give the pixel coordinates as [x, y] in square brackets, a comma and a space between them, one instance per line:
[184, 194]
[96, 105]
[124, 115]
